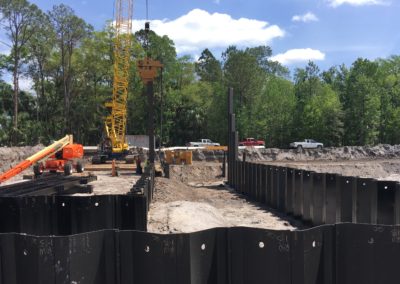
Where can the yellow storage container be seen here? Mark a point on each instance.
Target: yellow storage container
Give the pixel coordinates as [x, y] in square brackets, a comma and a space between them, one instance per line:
[169, 155]
[189, 157]
[178, 157]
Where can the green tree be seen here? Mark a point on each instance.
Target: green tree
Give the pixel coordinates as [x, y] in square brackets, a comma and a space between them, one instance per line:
[27, 130]
[389, 92]
[277, 105]
[307, 85]
[20, 19]
[70, 31]
[243, 73]
[362, 108]
[208, 68]
[323, 117]
[319, 112]
[39, 47]
[262, 55]
[93, 69]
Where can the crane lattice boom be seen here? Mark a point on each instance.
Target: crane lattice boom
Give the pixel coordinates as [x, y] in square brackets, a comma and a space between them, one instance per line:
[116, 122]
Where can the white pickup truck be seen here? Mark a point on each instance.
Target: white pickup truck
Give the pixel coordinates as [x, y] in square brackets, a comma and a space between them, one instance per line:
[202, 143]
[306, 144]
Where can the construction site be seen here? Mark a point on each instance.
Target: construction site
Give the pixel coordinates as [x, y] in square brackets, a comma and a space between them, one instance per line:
[206, 220]
[239, 210]
[195, 197]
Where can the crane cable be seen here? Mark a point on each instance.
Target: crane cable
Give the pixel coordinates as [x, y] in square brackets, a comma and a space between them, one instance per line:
[147, 10]
[147, 29]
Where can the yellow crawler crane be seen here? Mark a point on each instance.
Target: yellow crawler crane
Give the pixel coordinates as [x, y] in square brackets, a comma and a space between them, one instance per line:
[114, 144]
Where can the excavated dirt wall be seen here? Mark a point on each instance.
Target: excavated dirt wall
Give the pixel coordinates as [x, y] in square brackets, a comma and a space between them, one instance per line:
[10, 156]
[382, 151]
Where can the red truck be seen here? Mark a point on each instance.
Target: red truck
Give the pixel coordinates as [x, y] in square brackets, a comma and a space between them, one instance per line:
[251, 142]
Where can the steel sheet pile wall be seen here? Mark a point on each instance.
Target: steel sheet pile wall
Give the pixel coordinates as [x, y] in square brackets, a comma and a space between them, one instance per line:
[343, 253]
[317, 198]
[66, 215]
[144, 187]
[320, 198]
[340, 253]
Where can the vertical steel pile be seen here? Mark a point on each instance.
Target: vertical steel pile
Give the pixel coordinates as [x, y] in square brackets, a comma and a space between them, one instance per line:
[232, 141]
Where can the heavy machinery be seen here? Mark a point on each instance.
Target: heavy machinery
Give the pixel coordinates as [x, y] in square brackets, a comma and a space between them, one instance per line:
[62, 155]
[65, 160]
[113, 145]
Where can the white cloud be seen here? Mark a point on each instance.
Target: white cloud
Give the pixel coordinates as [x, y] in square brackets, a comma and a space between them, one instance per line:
[299, 55]
[308, 17]
[199, 29]
[336, 3]
[25, 84]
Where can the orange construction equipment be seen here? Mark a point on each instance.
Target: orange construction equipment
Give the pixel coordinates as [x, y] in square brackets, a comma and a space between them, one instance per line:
[66, 160]
[114, 170]
[52, 150]
[148, 69]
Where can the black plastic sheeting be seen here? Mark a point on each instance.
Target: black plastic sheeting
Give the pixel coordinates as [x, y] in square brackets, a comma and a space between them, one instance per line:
[342, 253]
[67, 215]
[320, 198]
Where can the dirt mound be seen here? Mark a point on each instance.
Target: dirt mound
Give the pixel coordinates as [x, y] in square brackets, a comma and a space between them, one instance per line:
[169, 190]
[179, 207]
[198, 171]
[208, 155]
[184, 217]
[382, 151]
[377, 169]
[10, 156]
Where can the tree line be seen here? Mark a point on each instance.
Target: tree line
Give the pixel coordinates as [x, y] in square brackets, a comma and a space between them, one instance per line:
[70, 66]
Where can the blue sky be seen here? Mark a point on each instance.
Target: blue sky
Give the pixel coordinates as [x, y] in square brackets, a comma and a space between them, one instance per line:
[329, 32]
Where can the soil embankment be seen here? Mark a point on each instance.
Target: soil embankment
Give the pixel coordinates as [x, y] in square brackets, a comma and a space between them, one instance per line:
[346, 153]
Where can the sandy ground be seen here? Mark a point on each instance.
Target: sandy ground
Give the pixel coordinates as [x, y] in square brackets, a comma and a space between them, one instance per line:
[179, 207]
[106, 184]
[195, 198]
